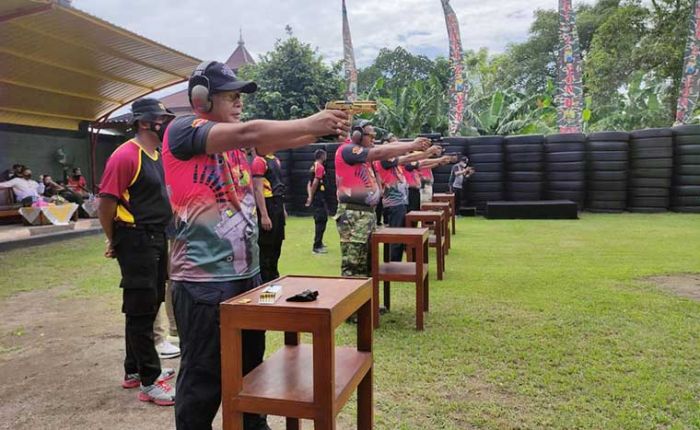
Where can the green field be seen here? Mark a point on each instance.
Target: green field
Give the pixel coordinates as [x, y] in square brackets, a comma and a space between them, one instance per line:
[538, 324]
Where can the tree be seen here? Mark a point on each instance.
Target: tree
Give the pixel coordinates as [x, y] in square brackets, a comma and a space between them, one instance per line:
[398, 67]
[294, 82]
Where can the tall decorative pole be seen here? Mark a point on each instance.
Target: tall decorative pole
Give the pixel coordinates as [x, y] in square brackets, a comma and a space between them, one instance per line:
[690, 85]
[459, 91]
[569, 83]
[349, 56]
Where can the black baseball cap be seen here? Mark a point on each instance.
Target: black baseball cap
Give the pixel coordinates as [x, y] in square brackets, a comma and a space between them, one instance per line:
[149, 110]
[221, 78]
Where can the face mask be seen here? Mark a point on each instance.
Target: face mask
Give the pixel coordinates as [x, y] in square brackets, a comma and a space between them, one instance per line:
[158, 129]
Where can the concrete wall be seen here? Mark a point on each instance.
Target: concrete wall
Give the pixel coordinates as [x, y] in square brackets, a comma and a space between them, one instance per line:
[37, 147]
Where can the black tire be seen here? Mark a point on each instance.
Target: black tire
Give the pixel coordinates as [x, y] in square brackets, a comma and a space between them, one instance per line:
[565, 147]
[565, 138]
[607, 195]
[529, 139]
[688, 169]
[649, 192]
[487, 197]
[485, 187]
[525, 176]
[687, 149]
[576, 175]
[477, 159]
[649, 210]
[687, 159]
[686, 180]
[565, 167]
[606, 205]
[486, 177]
[494, 147]
[525, 187]
[457, 140]
[686, 190]
[651, 173]
[512, 148]
[574, 196]
[686, 201]
[441, 177]
[525, 167]
[646, 154]
[650, 182]
[686, 130]
[649, 202]
[565, 157]
[489, 167]
[597, 175]
[654, 143]
[607, 165]
[651, 132]
[608, 156]
[686, 209]
[524, 197]
[612, 136]
[566, 185]
[527, 157]
[440, 188]
[652, 163]
[605, 145]
[594, 186]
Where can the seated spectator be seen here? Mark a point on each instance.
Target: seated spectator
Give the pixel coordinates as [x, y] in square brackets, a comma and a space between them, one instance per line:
[15, 171]
[25, 188]
[53, 190]
[78, 184]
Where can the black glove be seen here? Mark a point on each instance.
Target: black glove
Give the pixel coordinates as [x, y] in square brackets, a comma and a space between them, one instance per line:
[304, 296]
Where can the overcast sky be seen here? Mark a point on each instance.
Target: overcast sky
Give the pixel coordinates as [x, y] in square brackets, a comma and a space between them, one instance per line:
[208, 29]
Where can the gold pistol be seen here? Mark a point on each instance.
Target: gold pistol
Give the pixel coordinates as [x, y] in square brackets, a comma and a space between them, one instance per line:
[353, 108]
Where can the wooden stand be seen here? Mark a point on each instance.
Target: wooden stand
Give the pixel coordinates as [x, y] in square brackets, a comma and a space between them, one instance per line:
[436, 221]
[447, 209]
[300, 381]
[449, 198]
[415, 270]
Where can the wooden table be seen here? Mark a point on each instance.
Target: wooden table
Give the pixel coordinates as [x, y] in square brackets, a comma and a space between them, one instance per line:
[300, 381]
[449, 198]
[447, 209]
[414, 270]
[436, 221]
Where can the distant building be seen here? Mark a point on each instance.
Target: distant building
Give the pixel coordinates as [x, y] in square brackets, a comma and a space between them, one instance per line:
[179, 102]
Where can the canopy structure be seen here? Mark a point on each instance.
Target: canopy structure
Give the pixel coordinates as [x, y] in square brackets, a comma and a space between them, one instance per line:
[60, 66]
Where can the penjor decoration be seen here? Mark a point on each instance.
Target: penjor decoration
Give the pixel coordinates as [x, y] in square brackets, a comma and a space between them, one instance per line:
[459, 91]
[349, 56]
[690, 85]
[569, 85]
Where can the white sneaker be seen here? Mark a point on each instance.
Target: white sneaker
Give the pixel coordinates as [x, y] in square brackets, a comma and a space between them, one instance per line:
[167, 350]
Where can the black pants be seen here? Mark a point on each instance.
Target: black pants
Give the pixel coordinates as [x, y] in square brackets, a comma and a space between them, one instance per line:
[320, 208]
[458, 198]
[413, 199]
[270, 241]
[379, 210]
[142, 257]
[196, 307]
[395, 216]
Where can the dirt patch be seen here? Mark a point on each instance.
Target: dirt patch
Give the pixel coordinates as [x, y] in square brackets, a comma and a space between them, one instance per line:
[61, 367]
[683, 285]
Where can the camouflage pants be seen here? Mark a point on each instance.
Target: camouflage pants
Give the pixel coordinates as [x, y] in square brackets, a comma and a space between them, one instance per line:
[355, 228]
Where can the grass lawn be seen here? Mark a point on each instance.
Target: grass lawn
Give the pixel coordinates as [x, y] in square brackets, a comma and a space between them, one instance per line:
[538, 324]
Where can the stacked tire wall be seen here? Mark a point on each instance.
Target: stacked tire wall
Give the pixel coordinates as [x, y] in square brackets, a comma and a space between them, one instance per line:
[685, 191]
[486, 156]
[606, 172]
[525, 176]
[565, 167]
[651, 170]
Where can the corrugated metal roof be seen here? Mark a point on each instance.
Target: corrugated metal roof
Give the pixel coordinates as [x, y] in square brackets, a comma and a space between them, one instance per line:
[60, 66]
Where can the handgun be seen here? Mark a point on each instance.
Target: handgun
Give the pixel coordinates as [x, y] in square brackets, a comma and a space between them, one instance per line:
[353, 108]
[435, 138]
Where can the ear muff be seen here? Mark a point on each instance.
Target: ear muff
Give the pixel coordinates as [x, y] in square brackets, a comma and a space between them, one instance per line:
[198, 88]
[357, 134]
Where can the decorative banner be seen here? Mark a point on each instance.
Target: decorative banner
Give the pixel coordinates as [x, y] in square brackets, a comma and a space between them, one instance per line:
[690, 85]
[459, 91]
[349, 53]
[569, 85]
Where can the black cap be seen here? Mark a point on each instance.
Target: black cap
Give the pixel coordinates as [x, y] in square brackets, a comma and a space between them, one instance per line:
[149, 110]
[221, 78]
